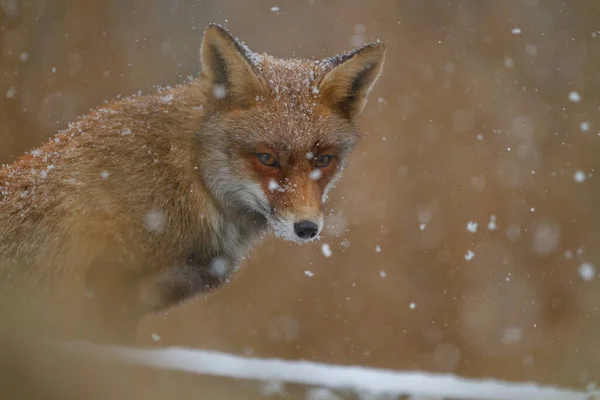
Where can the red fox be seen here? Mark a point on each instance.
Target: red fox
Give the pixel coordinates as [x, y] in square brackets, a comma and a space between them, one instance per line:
[150, 200]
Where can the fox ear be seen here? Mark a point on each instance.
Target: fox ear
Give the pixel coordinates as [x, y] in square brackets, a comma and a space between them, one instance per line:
[345, 87]
[228, 66]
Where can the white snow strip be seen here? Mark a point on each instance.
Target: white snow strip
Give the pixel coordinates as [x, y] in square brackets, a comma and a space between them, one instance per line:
[360, 379]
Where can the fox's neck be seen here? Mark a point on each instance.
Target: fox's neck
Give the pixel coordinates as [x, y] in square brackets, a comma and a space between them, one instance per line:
[240, 231]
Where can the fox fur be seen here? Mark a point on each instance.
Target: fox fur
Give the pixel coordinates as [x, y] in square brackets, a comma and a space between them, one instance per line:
[150, 200]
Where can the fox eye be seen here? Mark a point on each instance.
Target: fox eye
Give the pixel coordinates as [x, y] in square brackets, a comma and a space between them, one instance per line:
[267, 159]
[323, 161]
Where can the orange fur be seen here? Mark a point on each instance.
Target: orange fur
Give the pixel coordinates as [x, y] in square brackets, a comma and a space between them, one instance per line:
[150, 200]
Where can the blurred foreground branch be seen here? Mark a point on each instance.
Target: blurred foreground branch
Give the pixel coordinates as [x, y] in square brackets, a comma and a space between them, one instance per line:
[358, 380]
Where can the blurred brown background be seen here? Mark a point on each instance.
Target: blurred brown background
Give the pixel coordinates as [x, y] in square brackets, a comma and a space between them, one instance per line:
[473, 120]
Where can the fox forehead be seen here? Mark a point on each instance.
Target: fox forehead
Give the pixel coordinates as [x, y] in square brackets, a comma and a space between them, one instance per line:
[293, 79]
[291, 131]
[288, 114]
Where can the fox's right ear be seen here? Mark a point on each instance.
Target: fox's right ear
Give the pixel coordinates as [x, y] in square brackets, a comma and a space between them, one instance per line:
[228, 66]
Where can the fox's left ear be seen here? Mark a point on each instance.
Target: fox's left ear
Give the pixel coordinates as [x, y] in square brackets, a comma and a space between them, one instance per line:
[345, 87]
[228, 66]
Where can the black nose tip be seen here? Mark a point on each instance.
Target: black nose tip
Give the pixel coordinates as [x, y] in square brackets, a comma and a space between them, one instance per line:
[306, 229]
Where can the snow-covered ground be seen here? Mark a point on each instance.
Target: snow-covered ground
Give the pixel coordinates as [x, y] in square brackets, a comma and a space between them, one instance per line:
[362, 380]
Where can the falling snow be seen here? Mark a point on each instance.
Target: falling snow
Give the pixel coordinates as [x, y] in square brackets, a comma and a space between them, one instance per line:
[315, 174]
[273, 185]
[587, 271]
[219, 91]
[11, 92]
[469, 255]
[219, 267]
[492, 226]
[568, 254]
[531, 50]
[574, 97]
[154, 221]
[584, 126]
[472, 226]
[508, 62]
[579, 176]
[546, 236]
[512, 335]
[498, 127]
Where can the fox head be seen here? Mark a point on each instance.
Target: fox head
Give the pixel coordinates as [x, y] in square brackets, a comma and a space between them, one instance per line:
[276, 132]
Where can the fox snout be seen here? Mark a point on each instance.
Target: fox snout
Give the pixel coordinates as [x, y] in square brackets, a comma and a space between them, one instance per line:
[305, 224]
[306, 229]
[299, 227]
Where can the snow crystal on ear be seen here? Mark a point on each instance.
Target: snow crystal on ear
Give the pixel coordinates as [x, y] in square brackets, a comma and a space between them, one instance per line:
[220, 91]
[253, 58]
[345, 56]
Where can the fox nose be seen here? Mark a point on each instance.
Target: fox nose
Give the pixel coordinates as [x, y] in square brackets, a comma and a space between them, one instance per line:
[306, 229]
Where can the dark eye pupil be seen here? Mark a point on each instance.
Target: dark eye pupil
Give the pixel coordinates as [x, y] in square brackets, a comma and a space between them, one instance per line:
[323, 161]
[267, 159]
